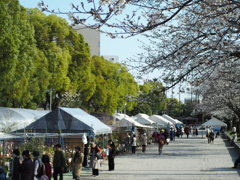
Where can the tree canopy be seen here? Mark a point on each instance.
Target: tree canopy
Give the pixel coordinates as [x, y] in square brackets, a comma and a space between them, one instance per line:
[221, 93]
[44, 58]
[188, 38]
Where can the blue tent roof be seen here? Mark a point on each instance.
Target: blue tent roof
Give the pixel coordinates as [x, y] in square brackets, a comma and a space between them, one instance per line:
[69, 120]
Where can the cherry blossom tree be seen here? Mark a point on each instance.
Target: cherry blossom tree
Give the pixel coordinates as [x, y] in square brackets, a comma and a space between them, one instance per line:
[188, 38]
[125, 18]
[203, 36]
[221, 94]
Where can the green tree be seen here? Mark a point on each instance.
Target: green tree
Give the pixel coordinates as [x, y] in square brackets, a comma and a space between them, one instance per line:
[152, 99]
[17, 50]
[67, 56]
[113, 84]
[173, 107]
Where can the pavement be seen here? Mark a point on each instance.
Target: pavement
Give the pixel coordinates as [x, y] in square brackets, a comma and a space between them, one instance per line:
[183, 159]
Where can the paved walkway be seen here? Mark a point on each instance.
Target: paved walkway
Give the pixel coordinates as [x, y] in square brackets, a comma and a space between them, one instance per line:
[188, 159]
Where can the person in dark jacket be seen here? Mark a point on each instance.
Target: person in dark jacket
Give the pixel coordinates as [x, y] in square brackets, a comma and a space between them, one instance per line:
[2, 174]
[26, 168]
[15, 164]
[94, 161]
[211, 136]
[161, 142]
[86, 152]
[187, 130]
[165, 134]
[127, 143]
[59, 162]
[172, 134]
[236, 162]
[111, 155]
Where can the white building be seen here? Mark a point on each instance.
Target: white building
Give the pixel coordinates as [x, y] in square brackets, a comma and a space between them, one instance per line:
[92, 37]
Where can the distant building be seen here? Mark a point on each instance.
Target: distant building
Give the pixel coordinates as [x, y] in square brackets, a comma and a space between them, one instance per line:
[92, 37]
[114, 59]
[194, 100]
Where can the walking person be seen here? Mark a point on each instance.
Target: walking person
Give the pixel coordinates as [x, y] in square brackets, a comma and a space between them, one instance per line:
[85, 153]
[208, 131]
[181, 131]
[111, 155]
[15, 164]
[127, 143]
[77, 161]
[161, 142]
[46, 168]
[155, 136]
[177, 132]
[187, 130]
[165, 134]
[134, 144]
[196, 131]
[172, 134]
[37, 163]
[211, 135]
[59, 162]
[144, 142]
[26, 167]
[94, 161]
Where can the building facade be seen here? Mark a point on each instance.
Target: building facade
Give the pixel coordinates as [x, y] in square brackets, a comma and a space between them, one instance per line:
[92, 37]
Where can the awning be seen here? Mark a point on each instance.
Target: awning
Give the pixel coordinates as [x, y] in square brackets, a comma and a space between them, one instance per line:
[129, 122]
[5, 136]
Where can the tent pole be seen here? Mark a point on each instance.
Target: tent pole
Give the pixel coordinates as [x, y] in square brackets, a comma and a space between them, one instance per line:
[103, 140]
[3, 147]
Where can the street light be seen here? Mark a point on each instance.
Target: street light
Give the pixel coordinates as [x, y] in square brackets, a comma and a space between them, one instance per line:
[125, 104]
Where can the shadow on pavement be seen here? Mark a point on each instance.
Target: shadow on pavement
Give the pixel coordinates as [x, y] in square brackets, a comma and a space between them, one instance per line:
[219, 169]
[233, 153]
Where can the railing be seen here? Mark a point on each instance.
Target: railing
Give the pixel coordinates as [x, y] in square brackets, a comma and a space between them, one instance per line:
[232, 143]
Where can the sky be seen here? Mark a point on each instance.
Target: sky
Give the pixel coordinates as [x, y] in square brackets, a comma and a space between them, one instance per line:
[123, 48]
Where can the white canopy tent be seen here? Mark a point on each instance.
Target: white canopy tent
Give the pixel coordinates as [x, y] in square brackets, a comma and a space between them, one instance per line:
[161, 120]
[178, 122]
[174, 121]
[129, 122]
[217, 124]
[141, 115]
[143, 119]
[18, 117]
[120, 116]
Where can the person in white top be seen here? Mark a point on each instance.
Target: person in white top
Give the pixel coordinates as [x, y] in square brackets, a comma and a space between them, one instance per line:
[36, 164]
[134, 144]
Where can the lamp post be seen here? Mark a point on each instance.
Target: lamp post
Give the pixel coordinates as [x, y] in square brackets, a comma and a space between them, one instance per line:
[125, 104]
[50, 106]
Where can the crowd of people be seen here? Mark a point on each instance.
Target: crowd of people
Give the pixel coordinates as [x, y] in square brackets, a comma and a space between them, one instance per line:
[166, 136]
[26, 168]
